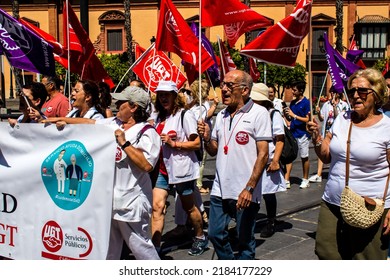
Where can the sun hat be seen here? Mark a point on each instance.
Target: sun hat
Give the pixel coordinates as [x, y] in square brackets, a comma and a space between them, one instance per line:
[259, 92]
[166, 86]
[133, 94]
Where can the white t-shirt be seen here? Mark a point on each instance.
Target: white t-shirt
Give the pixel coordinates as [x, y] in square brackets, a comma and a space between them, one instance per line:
[92, 113]
[250, 124]
[329, 116]
[278, 104]
[273, 182]
[368, 161]
[132, 186]
[182, 166]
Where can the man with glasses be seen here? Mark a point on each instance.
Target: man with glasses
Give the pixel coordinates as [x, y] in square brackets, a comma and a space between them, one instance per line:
[239, 139]
[57, 105]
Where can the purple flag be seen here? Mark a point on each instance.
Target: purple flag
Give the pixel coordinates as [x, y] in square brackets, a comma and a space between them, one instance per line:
[354, 55]
[333, 69]
[340, 69]
[212, 71]
[347, 67]
[24, 49]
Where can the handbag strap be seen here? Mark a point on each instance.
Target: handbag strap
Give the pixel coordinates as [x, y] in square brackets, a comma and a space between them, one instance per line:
[347, 163]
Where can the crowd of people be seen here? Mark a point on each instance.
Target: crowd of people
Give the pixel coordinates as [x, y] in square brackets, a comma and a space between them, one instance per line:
[163, 139]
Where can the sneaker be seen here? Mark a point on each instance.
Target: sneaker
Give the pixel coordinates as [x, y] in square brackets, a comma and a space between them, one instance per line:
[198, 247]
[305, 184]
[268, 230]
[288, 185]
[315, 179]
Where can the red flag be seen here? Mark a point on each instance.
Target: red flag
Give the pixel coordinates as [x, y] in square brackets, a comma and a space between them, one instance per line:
[234, 30]
[95, 71]
[154, 66]
[57, 47]
[353, 46]
[280, 43]
[227, 63]
[253, 70]
[387, 68]
[216, 12]
[174, 35]
[138, 51]
[79, 41]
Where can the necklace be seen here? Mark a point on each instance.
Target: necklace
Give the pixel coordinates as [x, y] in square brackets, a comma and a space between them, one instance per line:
[226, 147]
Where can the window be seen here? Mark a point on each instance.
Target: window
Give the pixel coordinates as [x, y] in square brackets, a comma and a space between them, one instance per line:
[115, 40]
[373, 41]
[319, 88]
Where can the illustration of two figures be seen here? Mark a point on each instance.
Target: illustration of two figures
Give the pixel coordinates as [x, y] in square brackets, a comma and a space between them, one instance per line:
[72, 173]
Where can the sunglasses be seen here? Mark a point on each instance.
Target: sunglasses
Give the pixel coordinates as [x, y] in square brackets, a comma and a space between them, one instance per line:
[230, 85]
[362, 92]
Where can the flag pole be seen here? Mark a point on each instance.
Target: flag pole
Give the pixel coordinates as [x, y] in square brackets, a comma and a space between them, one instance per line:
[200, 57]
[322, 88]
[309, 70]
[68, 46]
[132, 66]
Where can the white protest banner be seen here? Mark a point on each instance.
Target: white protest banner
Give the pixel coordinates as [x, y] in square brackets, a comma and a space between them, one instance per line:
[56, 191]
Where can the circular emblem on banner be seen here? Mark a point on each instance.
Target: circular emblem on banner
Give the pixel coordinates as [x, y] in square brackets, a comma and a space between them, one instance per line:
[67, 174]
[156, 69]
[242, 137]
[52, 236]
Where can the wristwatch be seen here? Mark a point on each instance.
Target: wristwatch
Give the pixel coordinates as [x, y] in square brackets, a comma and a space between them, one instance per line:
[249, 189]
[124, 146]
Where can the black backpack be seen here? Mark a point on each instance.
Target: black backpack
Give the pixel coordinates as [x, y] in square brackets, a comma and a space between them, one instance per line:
[199, 153]
[290, 148]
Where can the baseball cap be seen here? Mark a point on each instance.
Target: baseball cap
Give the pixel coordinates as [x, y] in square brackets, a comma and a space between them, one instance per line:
[133, 94]
[166, 86]
[259, 92]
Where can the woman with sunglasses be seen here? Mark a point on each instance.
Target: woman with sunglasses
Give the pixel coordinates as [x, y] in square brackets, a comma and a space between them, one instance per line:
[368, 165]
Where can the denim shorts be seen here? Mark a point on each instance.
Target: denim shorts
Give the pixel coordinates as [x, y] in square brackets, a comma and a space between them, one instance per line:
[184, 188]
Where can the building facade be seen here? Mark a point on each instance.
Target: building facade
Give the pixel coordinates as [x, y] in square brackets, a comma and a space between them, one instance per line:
[368, 21]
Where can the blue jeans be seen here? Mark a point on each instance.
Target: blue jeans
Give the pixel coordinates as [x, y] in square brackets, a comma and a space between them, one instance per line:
[221, 213]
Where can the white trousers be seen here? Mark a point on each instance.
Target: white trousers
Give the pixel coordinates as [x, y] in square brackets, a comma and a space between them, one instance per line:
[137, 237]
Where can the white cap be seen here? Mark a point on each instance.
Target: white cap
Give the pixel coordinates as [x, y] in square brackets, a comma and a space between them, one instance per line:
[166, 86]
[133, 94]
[259, 92]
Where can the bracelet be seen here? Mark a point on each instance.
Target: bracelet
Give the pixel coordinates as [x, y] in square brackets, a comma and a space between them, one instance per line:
[207, 142]
[249, 189]
[295, 117]
[124, 146]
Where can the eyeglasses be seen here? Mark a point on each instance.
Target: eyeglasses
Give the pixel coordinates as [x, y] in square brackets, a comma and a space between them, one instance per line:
[230, 85]
[362, 92]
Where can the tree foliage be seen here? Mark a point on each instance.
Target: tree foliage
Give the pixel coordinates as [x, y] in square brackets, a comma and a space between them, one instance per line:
[116, 66]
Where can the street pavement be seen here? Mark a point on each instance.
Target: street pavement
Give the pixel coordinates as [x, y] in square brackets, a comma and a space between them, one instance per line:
[297, 215]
